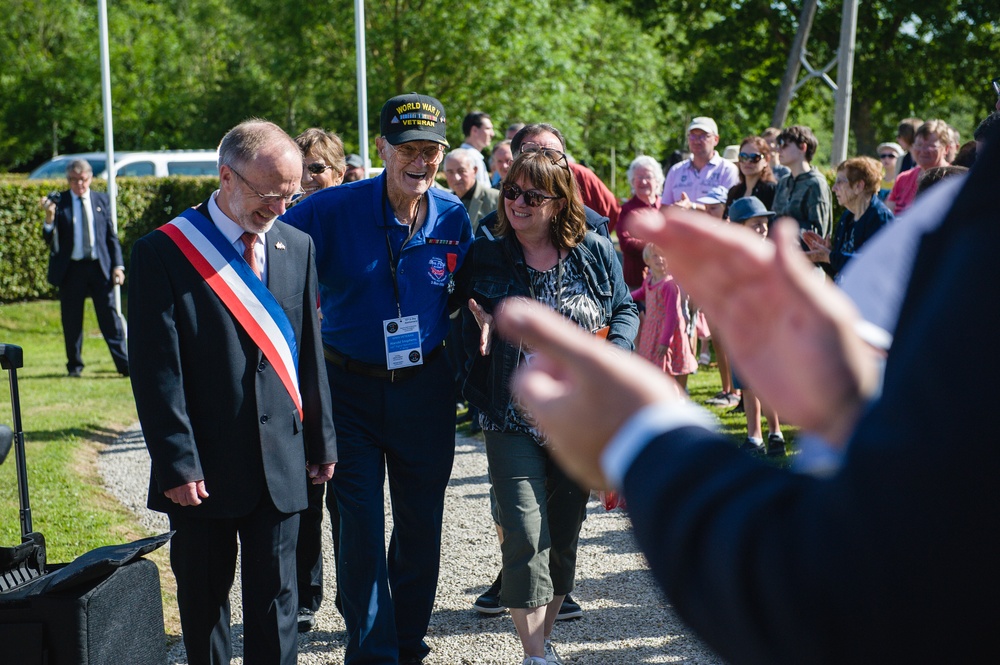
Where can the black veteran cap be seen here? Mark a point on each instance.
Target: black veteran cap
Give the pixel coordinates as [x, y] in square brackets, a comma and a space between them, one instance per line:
[413, 117]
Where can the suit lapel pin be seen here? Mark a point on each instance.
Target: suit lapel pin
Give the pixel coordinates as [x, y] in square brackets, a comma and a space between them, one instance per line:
[279, 245]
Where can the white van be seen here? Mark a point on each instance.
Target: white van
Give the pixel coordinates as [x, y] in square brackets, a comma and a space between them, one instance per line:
[157, 163]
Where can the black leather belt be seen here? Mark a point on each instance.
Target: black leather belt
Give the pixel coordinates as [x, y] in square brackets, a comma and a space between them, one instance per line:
[338, 359]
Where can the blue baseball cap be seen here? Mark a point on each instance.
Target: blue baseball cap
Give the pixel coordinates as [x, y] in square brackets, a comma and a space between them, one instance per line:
[717, 194]
[747, 207]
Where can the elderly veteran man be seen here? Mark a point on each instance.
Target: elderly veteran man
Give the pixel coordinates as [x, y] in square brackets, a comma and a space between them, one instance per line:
[387, 251]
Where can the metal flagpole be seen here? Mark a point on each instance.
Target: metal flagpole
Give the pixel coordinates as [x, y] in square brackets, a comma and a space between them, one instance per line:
[845, 83]
[359, 47]
[109, 137]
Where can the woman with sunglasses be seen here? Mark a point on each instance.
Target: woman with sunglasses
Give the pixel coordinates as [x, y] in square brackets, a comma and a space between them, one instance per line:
[543, 251]
[888, 154]
[323, 161]
[756, 178]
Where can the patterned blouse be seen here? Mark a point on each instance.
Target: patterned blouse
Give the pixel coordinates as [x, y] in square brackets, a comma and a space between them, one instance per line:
[568, 294]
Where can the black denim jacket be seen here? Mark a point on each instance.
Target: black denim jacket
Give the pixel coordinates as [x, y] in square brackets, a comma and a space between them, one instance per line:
[495, 269]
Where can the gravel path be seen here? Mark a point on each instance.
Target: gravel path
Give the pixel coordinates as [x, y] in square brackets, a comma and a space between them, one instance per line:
[625, 617]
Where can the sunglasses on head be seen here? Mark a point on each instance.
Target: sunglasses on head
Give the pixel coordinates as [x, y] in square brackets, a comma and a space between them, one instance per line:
[316, 168]
[751, 157]
[555, 156]
[532, 198]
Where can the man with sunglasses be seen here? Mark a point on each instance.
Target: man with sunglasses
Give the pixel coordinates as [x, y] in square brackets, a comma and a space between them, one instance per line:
[803, 194]
[387, 249]
[229, 384]
[695, 177]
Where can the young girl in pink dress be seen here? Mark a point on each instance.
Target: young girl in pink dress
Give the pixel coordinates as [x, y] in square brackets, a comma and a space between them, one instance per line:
[663, 339]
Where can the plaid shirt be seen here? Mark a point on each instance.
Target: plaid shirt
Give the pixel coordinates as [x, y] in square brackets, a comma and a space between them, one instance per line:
[806, 197]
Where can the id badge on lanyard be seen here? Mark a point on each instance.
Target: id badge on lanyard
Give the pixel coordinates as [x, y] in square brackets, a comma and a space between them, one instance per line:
[402, 342]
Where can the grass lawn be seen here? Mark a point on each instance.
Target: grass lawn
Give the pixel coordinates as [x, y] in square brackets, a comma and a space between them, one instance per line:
[66, 422]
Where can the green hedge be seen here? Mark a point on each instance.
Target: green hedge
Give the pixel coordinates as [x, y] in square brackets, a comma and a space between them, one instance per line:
[143, 205]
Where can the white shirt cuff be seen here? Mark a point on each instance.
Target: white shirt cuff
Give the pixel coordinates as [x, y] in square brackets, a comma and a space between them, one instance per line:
[642, 427]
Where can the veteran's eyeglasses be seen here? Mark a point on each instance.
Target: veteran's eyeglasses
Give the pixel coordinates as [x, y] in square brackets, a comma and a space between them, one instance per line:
[267, 199]
[432, 154]
[532, 198]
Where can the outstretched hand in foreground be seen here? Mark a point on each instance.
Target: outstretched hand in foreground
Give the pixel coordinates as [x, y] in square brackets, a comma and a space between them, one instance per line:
[791, 335]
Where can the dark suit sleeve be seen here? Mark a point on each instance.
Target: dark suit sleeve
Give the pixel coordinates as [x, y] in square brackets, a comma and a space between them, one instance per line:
[318, 430]
[156, 373]
[772, 567]
[111, 238]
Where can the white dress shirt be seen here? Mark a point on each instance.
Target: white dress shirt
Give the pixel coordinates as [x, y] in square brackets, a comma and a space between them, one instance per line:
[234, 234]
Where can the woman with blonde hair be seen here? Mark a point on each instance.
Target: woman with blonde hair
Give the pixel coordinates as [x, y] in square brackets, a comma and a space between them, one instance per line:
[856, 188]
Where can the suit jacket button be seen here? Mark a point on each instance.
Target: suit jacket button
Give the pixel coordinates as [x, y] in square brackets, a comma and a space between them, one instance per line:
[264, 419]
[261, 366]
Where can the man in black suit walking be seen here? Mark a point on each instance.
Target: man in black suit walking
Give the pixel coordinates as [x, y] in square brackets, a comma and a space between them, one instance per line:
[84, 259]
[231, 391]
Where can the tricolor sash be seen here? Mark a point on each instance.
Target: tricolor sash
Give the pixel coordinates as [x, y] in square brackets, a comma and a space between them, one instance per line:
[241, 292]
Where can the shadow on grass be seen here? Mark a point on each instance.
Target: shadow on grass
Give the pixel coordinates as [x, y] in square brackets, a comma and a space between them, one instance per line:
[91, 432]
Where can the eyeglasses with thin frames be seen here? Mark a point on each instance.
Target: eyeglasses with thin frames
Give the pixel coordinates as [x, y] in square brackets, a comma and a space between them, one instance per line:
[267, 199]
[532, 198]
[431, 154]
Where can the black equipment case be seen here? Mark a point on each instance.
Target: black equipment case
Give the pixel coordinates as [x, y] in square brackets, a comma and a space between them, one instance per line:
[104, 608]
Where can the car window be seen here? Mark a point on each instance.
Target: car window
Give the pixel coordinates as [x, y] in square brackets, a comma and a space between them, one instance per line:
[192, 168]
[56, 169]
[137, 169]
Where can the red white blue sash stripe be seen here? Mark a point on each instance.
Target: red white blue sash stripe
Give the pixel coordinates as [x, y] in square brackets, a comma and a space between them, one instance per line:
[242, 293]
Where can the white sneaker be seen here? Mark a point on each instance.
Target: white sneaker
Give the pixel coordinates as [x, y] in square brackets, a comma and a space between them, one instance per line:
[550, 653]
[533, 660]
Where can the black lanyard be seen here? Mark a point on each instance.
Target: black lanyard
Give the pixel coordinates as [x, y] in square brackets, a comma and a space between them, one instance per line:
[393, 261]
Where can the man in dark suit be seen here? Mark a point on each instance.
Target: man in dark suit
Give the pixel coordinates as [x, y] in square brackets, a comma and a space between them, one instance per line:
[232, 394]
[84, 259]
[771, 566]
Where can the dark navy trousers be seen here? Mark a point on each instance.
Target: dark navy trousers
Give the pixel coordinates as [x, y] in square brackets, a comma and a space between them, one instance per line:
[405, 430]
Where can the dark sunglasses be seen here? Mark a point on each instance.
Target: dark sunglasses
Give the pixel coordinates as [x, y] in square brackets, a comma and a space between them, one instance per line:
[532, 198]
[888, 155]
[316, 168]
[751, 157]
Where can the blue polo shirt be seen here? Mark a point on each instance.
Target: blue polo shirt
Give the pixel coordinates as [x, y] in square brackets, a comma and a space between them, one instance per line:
[356, 233]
